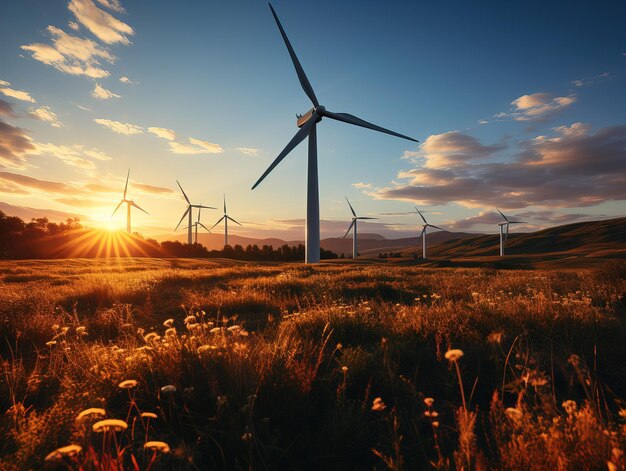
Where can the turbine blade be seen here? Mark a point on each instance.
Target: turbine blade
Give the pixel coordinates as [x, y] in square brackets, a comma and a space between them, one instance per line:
[437, 227]
[221, 219]
[422, 233]
[199, 211]
[184, 194]
[224, 204]
[234, 221]
[421, 215]
[353, 222]
[181, 219]
[304, 81]
[351, 208]
[118, 207]
[204, 227]
[297, 139]
[364, 217]
[517, 222]
[132, 203]
[126, 186]
[350, 119]
[201, 206]
[505, 218]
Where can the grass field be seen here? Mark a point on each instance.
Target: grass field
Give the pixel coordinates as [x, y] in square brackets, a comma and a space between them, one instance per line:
[338, 366]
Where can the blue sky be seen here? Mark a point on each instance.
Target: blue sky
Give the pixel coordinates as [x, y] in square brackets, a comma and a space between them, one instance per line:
[516, 105]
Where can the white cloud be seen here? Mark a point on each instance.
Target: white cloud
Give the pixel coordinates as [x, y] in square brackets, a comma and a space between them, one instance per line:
[114, 5]
[119, 127]
[537, 106]
[126, 80]
[163, 133]
[73, 25]
[74, 156]
[592, 80]
[362, 185]
[102, 24]
[251, 151]
[101, 93]
[198, 147]
[70, 54]
[44, 113]
[17, 94]
[15, 144]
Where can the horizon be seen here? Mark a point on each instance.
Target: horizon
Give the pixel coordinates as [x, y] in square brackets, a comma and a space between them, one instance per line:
[535, 129]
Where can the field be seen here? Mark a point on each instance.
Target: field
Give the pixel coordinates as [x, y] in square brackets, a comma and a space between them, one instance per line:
[285, 366]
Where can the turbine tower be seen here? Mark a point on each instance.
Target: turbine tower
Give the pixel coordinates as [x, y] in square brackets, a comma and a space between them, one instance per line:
[504, 231]
[129, 203]
[195, 226]
[188, 212]
[225, 218]
[355, 218]
[308, 128]
[423, 233]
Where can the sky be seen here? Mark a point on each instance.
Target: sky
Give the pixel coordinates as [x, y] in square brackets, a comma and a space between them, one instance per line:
[517, 106]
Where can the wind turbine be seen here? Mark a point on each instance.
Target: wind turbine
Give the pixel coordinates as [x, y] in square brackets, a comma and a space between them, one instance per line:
[225, 218]
[308, 128]
[355, 252]
[188, 212]
[504, 231]
[195, 226]
[423, 233]
[129, 203]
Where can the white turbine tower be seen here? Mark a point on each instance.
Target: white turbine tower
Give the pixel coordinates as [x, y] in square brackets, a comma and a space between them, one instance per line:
[355, 218]
[188, 212]
[308, 128]
[504, 231]
[425, 226]
[195, 226]
[129, 203]
[225, 218]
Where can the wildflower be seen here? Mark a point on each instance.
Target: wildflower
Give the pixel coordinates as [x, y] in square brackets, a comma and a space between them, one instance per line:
[55, 327]
[378, 404]
[148, 415]
[246, 437]
[91, 412]
[435, 424]
[204, 348]
[151, 336]
[64, 330]
[222, 400]
[68, 450]
[570, 406]
[168, 323]
[169, 389]
[495, 337]
[344, 369]
[513, 413]
[193, 326]
[81, 330]
[128, 384]
[106, 425]
[170, 332]
[215, 330]
[622, 413]
[454, 354]
[432, 414]
[190, 319]
[157, 446]
[429, 401]
[339, 346]
[189, 390]
[234, 329]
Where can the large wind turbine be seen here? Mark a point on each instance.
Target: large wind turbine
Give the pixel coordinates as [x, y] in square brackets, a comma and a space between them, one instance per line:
[195, 226]
[355, 218]
[129, 203]
[225, 218]
[504, 231]
[308, 128]
[188, 212]
[425, 226]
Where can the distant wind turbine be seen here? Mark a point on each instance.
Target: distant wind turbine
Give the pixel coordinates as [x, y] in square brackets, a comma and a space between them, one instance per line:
[188, 212]
[195, 226]
[308, 128]
[225, 218]
[129, 203]
[504, 231]
[355, 218]
[425, 226]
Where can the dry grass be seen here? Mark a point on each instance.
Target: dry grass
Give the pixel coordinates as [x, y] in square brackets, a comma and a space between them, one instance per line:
[293, 367]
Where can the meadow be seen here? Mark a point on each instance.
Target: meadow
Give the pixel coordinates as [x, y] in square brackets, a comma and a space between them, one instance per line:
[188, 364]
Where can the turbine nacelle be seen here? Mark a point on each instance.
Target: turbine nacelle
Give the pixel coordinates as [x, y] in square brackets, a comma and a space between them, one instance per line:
[302, 119]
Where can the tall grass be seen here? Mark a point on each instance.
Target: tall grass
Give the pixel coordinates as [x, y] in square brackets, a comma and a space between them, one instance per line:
[291, 367]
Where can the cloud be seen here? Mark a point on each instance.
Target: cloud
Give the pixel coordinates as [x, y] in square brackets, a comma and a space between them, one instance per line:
[6, 109]
[537, 107]
[73, 25]
[163, 133]
[592, 80]
[15, 144]
[452, 149]
[101, 93]
[119, 127]
[70, 54]
[251, 151]
[126, 80]
[114, 5]
[74, 155]
[23, 183]
[539, 216]
[572, 168]
[198, 147]
[362, 185]
[102, 24]
[17, 94]
[152, 190]
[44, 113]
[80, 202]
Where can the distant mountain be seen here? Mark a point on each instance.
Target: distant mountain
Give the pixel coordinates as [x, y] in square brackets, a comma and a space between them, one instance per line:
[26, 214]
